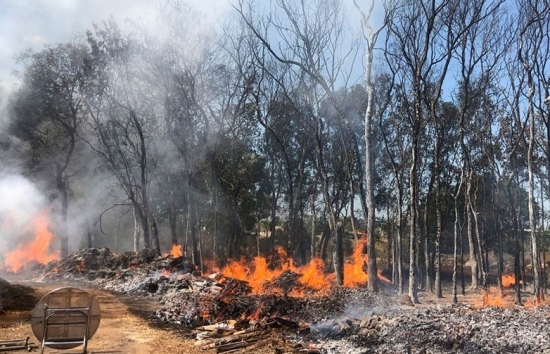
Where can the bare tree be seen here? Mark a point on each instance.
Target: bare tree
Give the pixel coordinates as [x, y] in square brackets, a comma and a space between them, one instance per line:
[533, 47]
[122, 118]
[311, 40]
[412, 33]
[370, 36]
[48, 112]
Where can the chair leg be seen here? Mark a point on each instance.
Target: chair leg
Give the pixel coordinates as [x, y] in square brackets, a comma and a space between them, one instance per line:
[44, 329]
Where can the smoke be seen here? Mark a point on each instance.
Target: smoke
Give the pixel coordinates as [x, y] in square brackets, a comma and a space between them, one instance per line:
[4, 92]
[92, 189]
[20, 201]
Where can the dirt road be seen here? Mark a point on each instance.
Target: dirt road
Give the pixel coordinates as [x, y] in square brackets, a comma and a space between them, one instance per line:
[124, 327]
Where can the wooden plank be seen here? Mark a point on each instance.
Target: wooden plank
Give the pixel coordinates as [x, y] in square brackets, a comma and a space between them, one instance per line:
[234, 338]
[225, 348]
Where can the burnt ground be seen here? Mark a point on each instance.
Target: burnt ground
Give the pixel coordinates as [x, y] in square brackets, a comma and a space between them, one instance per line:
[146, 311]
[128, 326]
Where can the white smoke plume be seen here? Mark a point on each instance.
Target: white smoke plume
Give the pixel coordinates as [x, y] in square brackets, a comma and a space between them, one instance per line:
[20, 202]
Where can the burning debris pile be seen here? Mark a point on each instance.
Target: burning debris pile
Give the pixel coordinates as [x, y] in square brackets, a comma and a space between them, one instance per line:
[139, 273]
[226, 312]
[231, 299]
[36, 250]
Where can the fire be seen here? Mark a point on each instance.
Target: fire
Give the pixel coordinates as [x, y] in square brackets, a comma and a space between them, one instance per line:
[493, 297]
[256, 275]
[494, 300]
[81, 266]
[354, 275]
[508, 280]
[35, 251]
[209, 266]
[382, 277]
[312, 275]
[176, 251]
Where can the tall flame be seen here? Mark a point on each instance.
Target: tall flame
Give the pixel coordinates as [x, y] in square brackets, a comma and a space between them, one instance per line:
[354, 275]
[35, 251]
[176, 251]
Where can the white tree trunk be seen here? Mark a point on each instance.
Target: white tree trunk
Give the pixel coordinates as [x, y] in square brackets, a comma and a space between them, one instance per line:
[137, 230]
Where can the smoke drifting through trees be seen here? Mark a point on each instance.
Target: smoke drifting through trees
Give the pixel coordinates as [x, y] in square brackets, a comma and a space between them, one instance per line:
[235, 139]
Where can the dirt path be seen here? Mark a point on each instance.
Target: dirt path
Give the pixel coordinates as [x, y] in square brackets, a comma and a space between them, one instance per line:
[124, 326]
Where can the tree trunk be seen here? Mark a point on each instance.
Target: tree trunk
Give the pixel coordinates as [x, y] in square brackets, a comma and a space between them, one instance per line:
[312, 199]
[472, 261]
[439, 226]
[455, 250]
[89, 235]
[399, 242]
[220, 258]
[517, 266]
[498, 223]
[426, 274]
[172, 218]
[535, 259]
[413, 294]
[542, 251]
[482, 266]
[534, 244]
[192, 217]
[425, 271]
[369, 168]
[351, 208]
[338, 253]
[273, 214]
[137, 233]
[155, 234]
[63, 227]
[324, 242]
[144, 228]
[462, 275]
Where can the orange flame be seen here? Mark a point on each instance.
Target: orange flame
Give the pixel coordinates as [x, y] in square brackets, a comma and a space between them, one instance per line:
[209, 266]
[312, 275]
[494, 300]
[256, 275]
[36, 250]
[382, 277]
[176, 251]
[508, 280]
[354, 275]
[259, 273]
[492, 297]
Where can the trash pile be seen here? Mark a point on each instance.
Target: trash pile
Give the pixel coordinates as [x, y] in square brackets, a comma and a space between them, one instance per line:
[224, 314]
